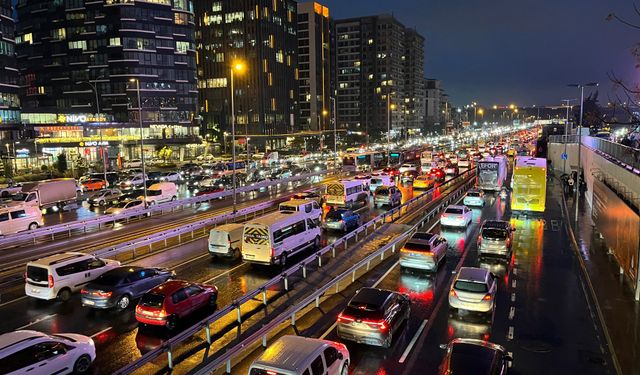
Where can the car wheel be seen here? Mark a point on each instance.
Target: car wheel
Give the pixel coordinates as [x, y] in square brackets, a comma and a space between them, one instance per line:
[64, 295]
[82, 364]
[33, 226]
[171, 322]
[102, 203]
[213, 300]
[123, 302]
[345, 369]
[173, 198]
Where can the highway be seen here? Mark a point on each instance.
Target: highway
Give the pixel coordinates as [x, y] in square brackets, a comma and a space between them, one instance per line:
[116, 334]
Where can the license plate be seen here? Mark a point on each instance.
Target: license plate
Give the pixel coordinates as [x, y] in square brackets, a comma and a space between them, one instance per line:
[249, 256]
[145, 312]
[89, 302]
[360, 325]
[35, 291]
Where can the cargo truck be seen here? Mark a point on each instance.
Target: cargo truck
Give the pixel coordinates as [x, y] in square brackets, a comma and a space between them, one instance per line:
[58, 193]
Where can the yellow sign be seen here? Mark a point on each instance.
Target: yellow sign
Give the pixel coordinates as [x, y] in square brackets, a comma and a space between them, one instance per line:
[79, 118]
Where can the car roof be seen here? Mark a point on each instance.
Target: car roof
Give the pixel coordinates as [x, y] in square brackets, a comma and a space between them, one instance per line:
[12, 338]
[60, 258]
[501, 224]
[291, 353]
[472, 274]
[169, 287]
[423, 236]
[371, 296]
[123, 271]
[474, 357]
[297, 202]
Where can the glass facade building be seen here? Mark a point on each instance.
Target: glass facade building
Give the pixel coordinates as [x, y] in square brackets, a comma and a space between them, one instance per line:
[9, 99]
[80, 63]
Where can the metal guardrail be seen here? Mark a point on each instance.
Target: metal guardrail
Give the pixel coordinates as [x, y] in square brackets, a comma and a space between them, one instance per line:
[283, 278]
[626, 157]
[51, 231]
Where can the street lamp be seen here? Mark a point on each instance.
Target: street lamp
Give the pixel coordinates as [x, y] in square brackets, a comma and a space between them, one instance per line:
[581, 86]
[144, 170]
[335, 131]
[238, 67]
[94, 87]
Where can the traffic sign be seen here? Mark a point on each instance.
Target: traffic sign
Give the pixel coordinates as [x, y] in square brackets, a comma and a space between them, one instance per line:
[564, 156]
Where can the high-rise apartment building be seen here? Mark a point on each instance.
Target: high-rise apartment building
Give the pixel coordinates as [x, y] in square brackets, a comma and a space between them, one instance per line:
[373, 57]
[314, 66]
[415, 93]
[9, 101]
[82, 62]
[260, 34]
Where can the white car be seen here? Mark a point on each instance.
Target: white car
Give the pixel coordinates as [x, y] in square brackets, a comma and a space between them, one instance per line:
[456, 216]
[120, 207]
[105, 197]
[14, 219]
[473, 289]
[407, 167]
[171, 177]
[135, 180]
[133, 163]
[36, 353]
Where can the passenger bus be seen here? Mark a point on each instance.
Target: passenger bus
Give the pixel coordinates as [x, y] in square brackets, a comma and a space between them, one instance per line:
[492, 172]
[347, 193]
[529, 184]
[398, 157]
[272, 238]
[363, 162]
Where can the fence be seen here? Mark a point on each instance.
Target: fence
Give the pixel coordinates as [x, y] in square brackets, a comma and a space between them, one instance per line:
[626, 157]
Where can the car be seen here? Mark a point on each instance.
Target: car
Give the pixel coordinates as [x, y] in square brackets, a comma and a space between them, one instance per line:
[456, 216]
[473, 289]
[37, 353]
[495, 238]
[474, 198]
[18, 218]
[341, 219]
[209, 190]
[453, 159]
[298, 355]
[130, 194]
[168, 302]
[105, 197]
[437, 174]
[59, 275]
[133, 163]
[472, 356]
[363, 176]
[424, 182]
[391, 171]
[380, 180]
[195, 181]
[309, 194]
[125, 206]
[171, 177]
[135, 180]
[93, 184]
[387, 195]
[121, 285]
[407, 167]
[154, 176]
[451, 170]
[424, 251]
[373, 316]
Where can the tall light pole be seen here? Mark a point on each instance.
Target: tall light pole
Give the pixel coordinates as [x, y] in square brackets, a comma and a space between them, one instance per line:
[335, 134]
[94, 87]
[566, 134]
[144, 169]
[237, 67]
[581, 86]
[389, 108]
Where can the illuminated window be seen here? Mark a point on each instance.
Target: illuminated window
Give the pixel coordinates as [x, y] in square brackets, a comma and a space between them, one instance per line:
[26, 38]
[273, 104]
[115, 42]
[78, 44]
[280, 57]
[216, 7]
[233, 17]
[370, 41]
[182, 47]
[60, 34]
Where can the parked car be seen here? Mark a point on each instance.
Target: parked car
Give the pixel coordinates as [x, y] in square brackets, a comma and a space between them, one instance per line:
[37, 353]
[119, 286]
[387, 195]
[105, 197]
[425, 251]
[59, 275]
[14, 219]
[171, 177]
[456, 216]
[93, 184]
[125, 206]
[165, 304]
[474, 198]
[341, 219]
[473, 289]
[133, 163]
[472, 356]
[495, 238]
[373, 316]
[298, 355]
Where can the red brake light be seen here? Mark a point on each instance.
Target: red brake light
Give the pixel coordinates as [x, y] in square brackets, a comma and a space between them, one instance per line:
[381, 325]
[104, 294]
[479, 240]
[84, 291]
[344, 318]
[273, 252]
[453, 293]
[50, 278]
[487, 297]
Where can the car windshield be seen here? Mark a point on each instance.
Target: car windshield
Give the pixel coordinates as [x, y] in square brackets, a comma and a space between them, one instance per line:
[376, 181]
[382, 191]
[334, 216]
[152, 300]
[494, 233]
[473, 194]
[417, 246]
[120, 204]
[470, 286]
[453, 211]
[153, 193]
[19, 197]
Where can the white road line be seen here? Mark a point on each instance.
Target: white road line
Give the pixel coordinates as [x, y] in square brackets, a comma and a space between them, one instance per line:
[190, 260]
[513, 283]
[224, 273]
[413, 341]
[512, 312]
[326, 333]
[36, 321]
[513, 297]
[12, 301]
[510, 334]
[515, 271]
[99, 332]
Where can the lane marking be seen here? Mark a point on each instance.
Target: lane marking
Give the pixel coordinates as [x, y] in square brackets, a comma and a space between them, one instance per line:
[100, 332]
[333, 326]
[513, 283]
[515, 271]
[12, 301]
[512, 312]
[386, 274]
[224, 273]
[513, 297]
[413, 341]
[41, 319]
[510, 334]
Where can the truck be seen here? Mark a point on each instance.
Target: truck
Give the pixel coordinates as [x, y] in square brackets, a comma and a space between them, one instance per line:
[58, 193]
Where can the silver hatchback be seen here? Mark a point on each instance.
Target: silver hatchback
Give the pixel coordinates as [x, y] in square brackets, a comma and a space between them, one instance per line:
[424, 251]
[473, 289]
[495, 238]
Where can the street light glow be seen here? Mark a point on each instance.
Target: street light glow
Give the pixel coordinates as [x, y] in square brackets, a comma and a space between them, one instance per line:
[239, 67]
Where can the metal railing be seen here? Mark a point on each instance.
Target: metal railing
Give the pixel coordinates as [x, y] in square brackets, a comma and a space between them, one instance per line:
[84, 225]
[301, 268]
[626, 157]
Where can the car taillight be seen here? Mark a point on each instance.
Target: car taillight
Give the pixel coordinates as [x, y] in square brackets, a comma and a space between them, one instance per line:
[50, 278]
[479, 240]
[453, 293]
[508, 241]
[381, 325]
[162, 313]
[84, 291]
[487, 297]
[104, 294]
[273, 252]
[345, 319]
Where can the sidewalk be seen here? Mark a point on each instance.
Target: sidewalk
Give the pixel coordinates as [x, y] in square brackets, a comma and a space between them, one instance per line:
[621, 314]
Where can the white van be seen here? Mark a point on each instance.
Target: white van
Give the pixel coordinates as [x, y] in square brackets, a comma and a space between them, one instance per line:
[226, 241]
[307, 206]
[161, 192]
[59, 275]
[298, 355]
[346, 193]
[14, 219]
[272, 238]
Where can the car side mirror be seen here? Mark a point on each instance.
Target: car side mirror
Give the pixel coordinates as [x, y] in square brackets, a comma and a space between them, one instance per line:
[443, 346]
[340, 356]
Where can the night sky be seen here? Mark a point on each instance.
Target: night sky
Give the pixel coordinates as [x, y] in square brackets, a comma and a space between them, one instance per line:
[525, 52]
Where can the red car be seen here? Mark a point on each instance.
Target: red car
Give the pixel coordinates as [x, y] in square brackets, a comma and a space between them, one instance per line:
[391, 171]
[437, 173]
[165, 304]
[209, 190]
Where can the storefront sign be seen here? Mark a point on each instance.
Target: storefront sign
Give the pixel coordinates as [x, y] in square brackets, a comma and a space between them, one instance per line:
[93, 143]
[79, 118]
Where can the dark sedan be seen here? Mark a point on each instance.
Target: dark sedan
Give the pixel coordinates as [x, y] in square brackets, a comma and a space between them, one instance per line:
[118, 287]
[471, 356]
